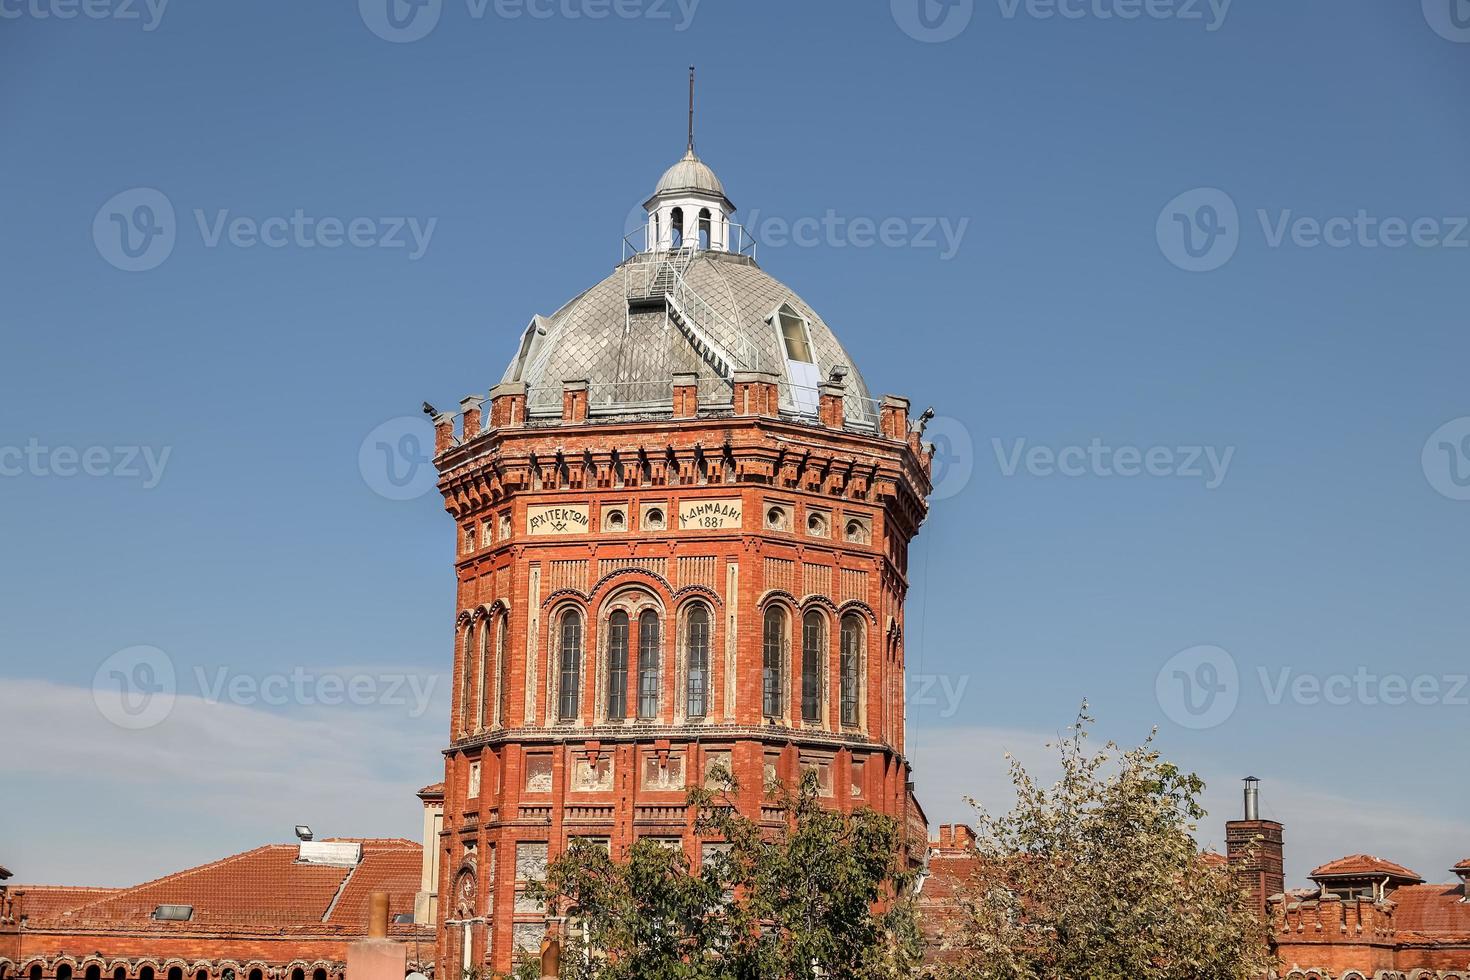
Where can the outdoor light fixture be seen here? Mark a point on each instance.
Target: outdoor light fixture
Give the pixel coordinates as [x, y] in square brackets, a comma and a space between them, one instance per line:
[303, 832]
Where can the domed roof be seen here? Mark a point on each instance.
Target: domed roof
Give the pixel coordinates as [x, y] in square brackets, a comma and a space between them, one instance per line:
[689, 174]
[629, 353]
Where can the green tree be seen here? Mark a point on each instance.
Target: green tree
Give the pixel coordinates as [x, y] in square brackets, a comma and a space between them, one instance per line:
[826, 897]
[1099, 877]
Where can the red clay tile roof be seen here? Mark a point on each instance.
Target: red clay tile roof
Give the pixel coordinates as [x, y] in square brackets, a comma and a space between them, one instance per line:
[1432, 909]
[1462, 866]
[1364, 866]
[263, 887]
[44, 901]
[435, 789]
[1213, 859]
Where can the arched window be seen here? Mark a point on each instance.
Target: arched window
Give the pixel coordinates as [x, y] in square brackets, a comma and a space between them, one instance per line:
[851, 666]
[697, 649]
[36, 972]
[704, 228]
[648, 651]
[813, 644]
[617, 666]
[175, 973]
[569, 691]
[464, 679]
[482, 674]
[773, 646]
[63, 972]
[676, 227]
[502, 666]
[94, 972]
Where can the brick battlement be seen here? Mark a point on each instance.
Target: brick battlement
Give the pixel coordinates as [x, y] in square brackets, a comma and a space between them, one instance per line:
[1329, 919]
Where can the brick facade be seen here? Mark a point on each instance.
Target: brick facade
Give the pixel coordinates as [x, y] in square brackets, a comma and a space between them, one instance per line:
[714, 544]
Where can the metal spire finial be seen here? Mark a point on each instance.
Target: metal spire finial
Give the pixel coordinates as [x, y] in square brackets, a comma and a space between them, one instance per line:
[691, 108]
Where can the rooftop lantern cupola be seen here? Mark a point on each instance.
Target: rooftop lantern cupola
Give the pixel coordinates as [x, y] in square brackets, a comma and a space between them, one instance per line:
[689, 209]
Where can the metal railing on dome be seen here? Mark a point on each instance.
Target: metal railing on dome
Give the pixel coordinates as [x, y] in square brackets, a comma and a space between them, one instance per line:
[636, 244]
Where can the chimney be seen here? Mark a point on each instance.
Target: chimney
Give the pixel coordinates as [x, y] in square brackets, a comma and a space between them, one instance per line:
[1256, 850]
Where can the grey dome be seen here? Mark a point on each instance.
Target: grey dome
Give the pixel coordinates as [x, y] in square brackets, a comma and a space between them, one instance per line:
[690, 174]
[629, 355]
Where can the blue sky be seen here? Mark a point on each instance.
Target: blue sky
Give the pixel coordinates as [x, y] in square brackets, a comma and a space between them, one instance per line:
[1231, 233]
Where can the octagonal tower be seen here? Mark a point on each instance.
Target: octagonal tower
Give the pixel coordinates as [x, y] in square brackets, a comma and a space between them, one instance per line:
[682, 540]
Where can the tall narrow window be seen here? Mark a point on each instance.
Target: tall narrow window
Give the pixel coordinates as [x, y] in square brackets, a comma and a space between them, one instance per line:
[465, 679]
[772, 653]
[705, 237]
[851, 664]
[697, 643]
[617, 666]
[482, 676]
[569, 693]
[648, 649]
[502, 670]
[811, 666]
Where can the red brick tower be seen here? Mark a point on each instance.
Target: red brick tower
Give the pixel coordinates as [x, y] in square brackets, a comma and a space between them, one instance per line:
[682, 540]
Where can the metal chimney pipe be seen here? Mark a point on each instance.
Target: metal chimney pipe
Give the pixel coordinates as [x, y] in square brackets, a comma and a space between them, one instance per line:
[1252, 799]
[378, 916]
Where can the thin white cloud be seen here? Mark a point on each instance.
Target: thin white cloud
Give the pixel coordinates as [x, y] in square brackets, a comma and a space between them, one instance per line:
[208, 780]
